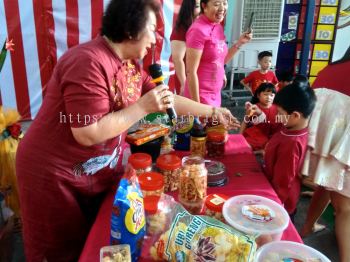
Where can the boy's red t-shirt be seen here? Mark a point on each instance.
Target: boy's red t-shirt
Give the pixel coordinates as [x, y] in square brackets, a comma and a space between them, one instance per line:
[284, 156]
[255, 78]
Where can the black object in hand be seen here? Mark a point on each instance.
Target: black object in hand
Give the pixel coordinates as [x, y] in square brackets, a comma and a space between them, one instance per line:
[155, 71]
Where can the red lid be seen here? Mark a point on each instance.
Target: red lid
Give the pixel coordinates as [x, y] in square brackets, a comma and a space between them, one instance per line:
[168, 162]
[216, 136]
[151, 204]
[140, 160]
[151, 181]
[215, 202]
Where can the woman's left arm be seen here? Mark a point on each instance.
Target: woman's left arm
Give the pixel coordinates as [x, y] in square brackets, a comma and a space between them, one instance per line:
[243, 39]
[185, 106]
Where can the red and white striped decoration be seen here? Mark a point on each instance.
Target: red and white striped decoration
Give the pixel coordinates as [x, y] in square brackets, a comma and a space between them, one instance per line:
[43, 30]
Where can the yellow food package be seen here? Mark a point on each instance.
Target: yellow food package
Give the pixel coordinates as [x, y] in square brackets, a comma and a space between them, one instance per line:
[201, 238]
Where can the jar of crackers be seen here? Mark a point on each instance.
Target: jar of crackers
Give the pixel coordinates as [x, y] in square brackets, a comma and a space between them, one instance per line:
[169, 165]
[141, 162]
[214, 204]
[193, 184]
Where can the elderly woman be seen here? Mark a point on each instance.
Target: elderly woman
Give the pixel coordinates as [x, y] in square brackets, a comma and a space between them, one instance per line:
[70, 154]
[207, 53]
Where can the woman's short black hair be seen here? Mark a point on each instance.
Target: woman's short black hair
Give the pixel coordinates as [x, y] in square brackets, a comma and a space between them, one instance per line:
[186, 15]
[126, 19]
[296, 98]
[268, 87]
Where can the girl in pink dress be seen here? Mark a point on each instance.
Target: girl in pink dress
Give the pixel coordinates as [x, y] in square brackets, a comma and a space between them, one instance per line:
[207, 53]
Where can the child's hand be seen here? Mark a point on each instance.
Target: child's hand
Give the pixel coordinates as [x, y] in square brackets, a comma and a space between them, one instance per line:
[252, 109]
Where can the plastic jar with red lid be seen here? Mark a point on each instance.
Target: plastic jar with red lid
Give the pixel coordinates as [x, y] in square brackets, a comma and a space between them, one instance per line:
[193, 184]
[214, 204]
[169, 166]
[151, 184]
[156, 216]
[216, 141]
[141, 162]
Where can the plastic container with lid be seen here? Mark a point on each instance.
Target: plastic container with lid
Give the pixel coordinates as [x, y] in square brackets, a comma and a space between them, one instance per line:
[216, 141]
[141, 162]
[151, 184]
[156, 215]
[115, 253]
[214, 204]
[216, 173]
[169, 166]
[198, 139]
[256, 215]
[288, 251]
[193, 184]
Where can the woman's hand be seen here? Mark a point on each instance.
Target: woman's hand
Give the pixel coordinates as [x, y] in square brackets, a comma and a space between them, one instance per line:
[157, 100]
[225, 118]
[245, 38]
[225, 81]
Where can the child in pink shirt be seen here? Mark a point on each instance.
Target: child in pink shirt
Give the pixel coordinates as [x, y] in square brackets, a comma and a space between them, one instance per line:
[264, 75]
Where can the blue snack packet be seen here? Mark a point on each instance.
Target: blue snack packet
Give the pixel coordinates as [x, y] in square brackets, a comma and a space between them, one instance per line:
[128, 215]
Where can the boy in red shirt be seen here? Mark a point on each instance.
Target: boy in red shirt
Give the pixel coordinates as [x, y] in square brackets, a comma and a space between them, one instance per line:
[264, 75]
[284, 153]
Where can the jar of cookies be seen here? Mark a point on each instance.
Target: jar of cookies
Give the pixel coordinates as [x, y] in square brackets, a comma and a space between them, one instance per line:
[169, 166]
[151, 184]
[193, 184]
[214, 204]
[141, 162]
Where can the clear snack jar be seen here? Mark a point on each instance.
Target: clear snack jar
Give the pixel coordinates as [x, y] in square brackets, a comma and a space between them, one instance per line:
[117, 253]
[214, 204]
[169, 166]
[151, 184]
[193, 184]
[215, 144]
[288, 251]
[141, 162]
[156, 214]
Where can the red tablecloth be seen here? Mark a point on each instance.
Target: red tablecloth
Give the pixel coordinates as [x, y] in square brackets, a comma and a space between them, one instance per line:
[238, 158]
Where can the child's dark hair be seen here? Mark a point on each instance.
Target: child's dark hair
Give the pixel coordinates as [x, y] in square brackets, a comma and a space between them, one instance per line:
[285, 76]
[262, 54]
[302, 81]
[264, 87]
[295, 98]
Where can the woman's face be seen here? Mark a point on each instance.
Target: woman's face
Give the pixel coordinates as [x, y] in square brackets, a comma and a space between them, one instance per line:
[146, 39]
[215, 10]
